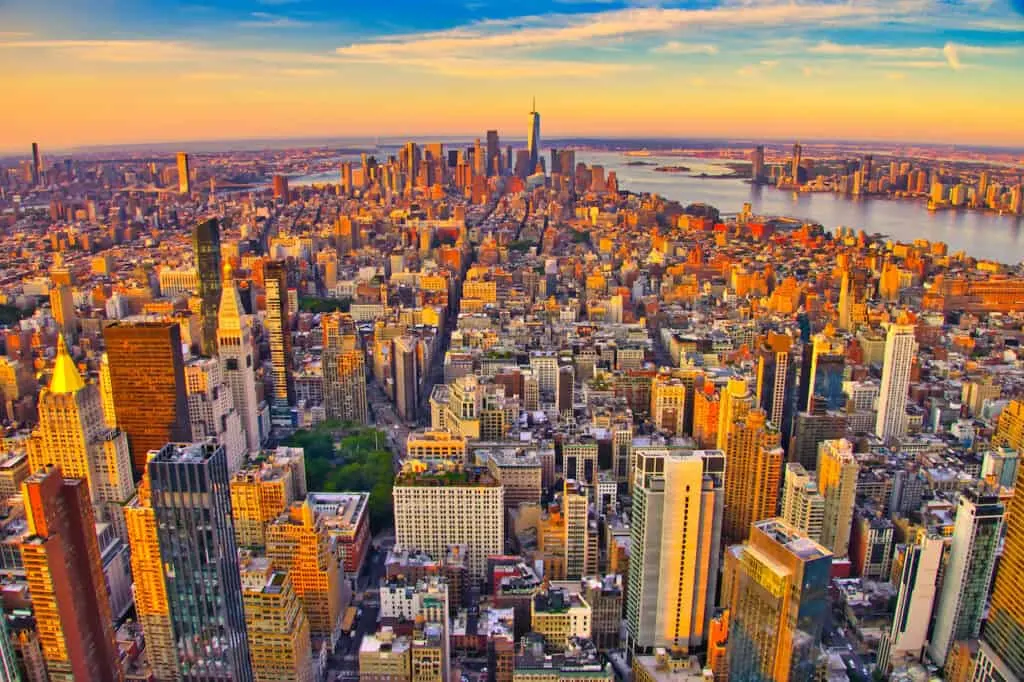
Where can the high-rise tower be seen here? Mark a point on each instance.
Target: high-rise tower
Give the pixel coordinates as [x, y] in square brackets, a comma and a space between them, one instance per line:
[779, 604]
[278, 328]
[533, 138]
[968, 572]
[1004, 630]
[900, 349]
[64, 573]
[37, 165]
[676, 532]
[794, 170]
[755, 473]
[344, 369]
[837, 481]
[188, 592]
[184, 179]
[206, 250]
[73, 436]
[147, 380]
[234, 346]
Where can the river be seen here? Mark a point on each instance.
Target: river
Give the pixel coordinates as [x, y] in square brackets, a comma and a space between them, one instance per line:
[982, 235]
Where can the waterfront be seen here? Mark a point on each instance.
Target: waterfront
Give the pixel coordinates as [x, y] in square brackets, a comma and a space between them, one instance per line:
[980, 234]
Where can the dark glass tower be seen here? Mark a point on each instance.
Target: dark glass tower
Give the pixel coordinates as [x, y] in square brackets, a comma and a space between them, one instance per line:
[206, 247]
[186, 494]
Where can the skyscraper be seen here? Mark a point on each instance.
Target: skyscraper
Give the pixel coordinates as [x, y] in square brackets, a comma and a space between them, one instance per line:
[406, 375]
[533, 139]
[206, 251]
[676, 532]
[73, 436]
[297, 543]
[837, 481]
[344, 371]
[779, 604]
[37, 165]
[147, 380]
[776, 382]
[803, 507]
[184, 179]
[64, 573]
[917, 586]
[968, 572]
[493, 153]
[845, 303]
[900, 349]
[794, 170]
[188, 592]
[757, 165]
[822, 372]
[234, 347]
[736, 401]
[1004, 630]
[278, 328]
[755, 474]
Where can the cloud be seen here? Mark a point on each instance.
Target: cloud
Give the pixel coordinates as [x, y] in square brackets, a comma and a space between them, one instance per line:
[558, 30]
[676, 47]
[762, 67]
[949, 51]
[829, 48]
[917, 57]
[895, 76]
[267, 20]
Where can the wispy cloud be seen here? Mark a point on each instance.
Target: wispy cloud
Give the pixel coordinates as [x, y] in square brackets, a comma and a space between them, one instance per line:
[677, 47]
[267, 20]
[762, 67]
[549, 31]
[922, 56]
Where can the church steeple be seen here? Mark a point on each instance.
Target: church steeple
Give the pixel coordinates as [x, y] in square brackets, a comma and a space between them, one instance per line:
[66, 378]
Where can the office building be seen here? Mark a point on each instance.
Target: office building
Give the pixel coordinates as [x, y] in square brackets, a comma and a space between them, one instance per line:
[918, 583]
[64, 573]
[779, 604]
[837, 482]
[188, 592]
[845, 312]
[900, 350]
[468, 508]
[668, 403]
[794, 169]
[755, 475]
[576, 538]
[823, 371]
[235, 351]
[803, 507]
[678, 504]
[184, 175]
[1010, 427]
[533, 139]
[734, 403]
[811, 429]
[280, 187]
[263, 490]
[871, 546]
[344, 370]
[276, 624]
[278, 328]
[405, 371]
[493, 153]
[211, 411]
[147, 381]
[559, 615]
[297, 542]
[206, 252]
[967, 575]
[1004, 629]
[776, 382]
[345, 517]
[72, 436]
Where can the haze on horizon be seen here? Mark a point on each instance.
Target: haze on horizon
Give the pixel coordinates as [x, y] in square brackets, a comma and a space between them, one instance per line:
[944, 71]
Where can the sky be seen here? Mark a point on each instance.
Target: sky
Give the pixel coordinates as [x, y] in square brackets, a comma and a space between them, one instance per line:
[82, 72]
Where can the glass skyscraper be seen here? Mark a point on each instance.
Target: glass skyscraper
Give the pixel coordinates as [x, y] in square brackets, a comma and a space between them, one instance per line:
[185, 564]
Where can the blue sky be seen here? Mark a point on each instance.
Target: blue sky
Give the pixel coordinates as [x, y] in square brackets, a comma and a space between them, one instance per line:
[131, 71]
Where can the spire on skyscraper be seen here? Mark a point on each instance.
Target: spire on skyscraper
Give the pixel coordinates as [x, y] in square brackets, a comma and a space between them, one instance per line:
[66, 378]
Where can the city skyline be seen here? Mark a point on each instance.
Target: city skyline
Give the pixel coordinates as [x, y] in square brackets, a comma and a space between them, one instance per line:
[290, 68]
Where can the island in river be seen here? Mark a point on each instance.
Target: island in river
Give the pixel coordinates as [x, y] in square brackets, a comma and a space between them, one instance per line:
[672, 169]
